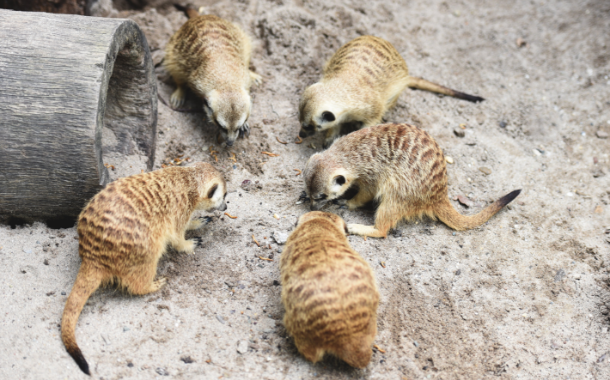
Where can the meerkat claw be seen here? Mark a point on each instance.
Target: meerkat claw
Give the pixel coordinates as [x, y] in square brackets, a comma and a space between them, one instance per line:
[244, 131]
[198, 241]
[177, 98]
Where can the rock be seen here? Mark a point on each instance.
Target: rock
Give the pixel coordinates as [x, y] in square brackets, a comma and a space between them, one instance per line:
[502, 124]
[280, 237]
[458, 272]
[125, 329]
[242, 347]
[27, 250]
[220, 319]
[449, 159]
[187, 359]
[521, 42]
[481, 118]
[465, 201]
[601, 134]
[459, 132]
[560, 275]
[484, 170]
[276, 283]
[162, 371]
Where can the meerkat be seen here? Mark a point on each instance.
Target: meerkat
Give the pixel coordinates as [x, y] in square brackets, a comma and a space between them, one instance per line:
[360, 83]
[328, 291]
[211, 56]
[398, 166]
[125, 229]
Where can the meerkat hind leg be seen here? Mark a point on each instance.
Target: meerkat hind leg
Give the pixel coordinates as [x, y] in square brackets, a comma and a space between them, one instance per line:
[141, 280]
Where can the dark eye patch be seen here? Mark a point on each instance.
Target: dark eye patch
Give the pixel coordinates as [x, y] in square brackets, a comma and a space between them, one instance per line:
[351, 192]
[212, 191]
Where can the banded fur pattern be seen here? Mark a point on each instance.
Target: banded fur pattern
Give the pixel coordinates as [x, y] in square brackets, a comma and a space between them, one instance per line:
[329, 292]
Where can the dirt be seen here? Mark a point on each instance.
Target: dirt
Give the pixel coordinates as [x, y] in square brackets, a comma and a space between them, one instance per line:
[527, 295]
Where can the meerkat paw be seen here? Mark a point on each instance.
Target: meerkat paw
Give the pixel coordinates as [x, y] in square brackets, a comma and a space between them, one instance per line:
[256, 79]
[178, 97]
[198, 241]
[158, 284]
[197, 223]
[362, 230]
[244, 130]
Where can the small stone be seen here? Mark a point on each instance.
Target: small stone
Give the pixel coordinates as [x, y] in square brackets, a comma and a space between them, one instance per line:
[162, 371]
[598, 209]
[459, 132]
[458, 272]
[46, 262]
[27, 250]
[595, 160]
[187, 360]
[449, 159]
[577, 276]
[125, 329]
[63, 293]
[521, 42]
[415, 344]
[481, 118]
[242, 347]
[280, 237]
[601, 134]
[220, 319]
[560, 275]
[465, 201]
[276, 283]
[130, 364]
[485, 170]
[502, 124]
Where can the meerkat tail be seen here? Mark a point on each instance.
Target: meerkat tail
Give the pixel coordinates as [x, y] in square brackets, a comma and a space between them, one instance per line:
[188, 9]
[448, 215]
[422, 84]
[87, 281]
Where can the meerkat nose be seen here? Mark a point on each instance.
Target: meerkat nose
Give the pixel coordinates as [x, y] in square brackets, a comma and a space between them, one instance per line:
[230, 142]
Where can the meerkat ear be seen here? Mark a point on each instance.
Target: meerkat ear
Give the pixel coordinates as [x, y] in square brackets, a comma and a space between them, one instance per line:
[328, 116]
[339, 180]
[212, 191]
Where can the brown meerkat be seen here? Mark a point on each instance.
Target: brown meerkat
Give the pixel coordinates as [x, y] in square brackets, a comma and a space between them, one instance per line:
[360, 82]
[125, 229]
[211, 56]
[328, 291]
[398, 166]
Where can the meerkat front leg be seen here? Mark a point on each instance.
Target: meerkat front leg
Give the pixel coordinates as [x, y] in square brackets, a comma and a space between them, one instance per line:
[384, 220]
[331, 135]
[178, 97]
[197, 223]
[183, 245]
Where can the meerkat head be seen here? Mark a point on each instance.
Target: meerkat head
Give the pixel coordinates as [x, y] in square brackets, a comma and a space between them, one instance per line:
[230, 111]
[318, 110]
[212, 187]
[336, 219]
[325, 180]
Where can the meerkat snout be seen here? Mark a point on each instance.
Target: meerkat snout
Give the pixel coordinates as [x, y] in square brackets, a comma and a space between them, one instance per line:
[230, 112]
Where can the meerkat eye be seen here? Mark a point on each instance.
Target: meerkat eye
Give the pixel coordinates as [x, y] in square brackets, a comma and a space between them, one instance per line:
[212, 191]
[340, 180]
[328, 116]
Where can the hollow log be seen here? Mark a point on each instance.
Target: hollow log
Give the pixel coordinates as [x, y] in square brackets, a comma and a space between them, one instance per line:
[63, 80]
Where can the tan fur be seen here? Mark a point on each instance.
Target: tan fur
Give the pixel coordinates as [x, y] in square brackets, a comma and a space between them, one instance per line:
[328, 291]
[126, 227]
[211, 56]
[400, 167]
[361, 81]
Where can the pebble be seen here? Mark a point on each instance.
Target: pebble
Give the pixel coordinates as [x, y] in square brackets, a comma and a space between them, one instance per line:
[502, 124]
[449, 159]
[162, 371]
[415, 344]
[187, 359]
[601, 134]
[458, 272]
[280, 237]
[459, 132]
[465, 201]
[220, 319]
[125, 328]
[560, 275]
[242, 346]
[63, 293]
[485, 170]
[27, 250]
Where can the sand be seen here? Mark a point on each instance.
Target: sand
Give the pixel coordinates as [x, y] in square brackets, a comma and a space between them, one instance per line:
[526, 295]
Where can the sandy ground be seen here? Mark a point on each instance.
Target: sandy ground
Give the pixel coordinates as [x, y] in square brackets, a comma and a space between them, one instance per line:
[527, 295]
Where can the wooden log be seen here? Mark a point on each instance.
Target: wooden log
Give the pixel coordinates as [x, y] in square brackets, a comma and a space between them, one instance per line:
[76, 7]
[63, 80]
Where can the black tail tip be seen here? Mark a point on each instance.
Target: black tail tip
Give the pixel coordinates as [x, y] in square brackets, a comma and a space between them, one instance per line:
[470, 98]
[509, 197]
[78, 357]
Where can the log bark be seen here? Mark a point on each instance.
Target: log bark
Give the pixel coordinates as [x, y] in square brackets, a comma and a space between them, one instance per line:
[63, 79]
[76, 7]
